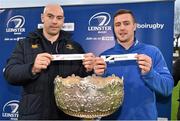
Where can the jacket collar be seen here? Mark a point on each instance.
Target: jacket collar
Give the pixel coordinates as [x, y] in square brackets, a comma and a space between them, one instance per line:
[38, 35]
[135, 45]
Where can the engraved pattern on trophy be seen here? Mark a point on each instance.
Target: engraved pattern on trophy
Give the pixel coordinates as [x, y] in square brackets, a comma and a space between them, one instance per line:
[89, 97]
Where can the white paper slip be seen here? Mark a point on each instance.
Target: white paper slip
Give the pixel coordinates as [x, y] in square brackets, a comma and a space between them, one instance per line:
[57, 57]
[120, 57]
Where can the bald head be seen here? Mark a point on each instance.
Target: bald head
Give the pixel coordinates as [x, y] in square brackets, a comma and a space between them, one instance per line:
[53, 7]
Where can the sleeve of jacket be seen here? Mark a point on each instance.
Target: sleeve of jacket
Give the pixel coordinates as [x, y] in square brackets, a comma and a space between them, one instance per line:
[16, 71]
[159, 78]
[176, 71]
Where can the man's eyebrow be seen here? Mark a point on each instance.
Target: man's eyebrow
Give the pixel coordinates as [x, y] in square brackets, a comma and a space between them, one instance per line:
[55, 15]
[50, 14]
[126, 21]
[60, 16]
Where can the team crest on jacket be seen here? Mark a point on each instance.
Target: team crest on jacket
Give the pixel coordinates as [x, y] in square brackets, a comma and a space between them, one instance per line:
[69, 46]
[34, 46]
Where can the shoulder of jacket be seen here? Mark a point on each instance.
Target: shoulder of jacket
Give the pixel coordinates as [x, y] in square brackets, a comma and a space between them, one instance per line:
[108, 51]
[25, 41]
[66, 36]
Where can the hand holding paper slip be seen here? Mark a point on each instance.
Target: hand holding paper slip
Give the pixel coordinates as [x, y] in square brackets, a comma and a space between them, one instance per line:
[107, 58]
[120, 57]
[57, 57]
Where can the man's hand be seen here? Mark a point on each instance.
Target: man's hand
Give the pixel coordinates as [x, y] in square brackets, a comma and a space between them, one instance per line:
[144, 62]
[99, 66]
[88, 61]
[41, 62]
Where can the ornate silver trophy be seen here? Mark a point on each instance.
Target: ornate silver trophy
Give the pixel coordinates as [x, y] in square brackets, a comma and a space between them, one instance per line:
[89, 97]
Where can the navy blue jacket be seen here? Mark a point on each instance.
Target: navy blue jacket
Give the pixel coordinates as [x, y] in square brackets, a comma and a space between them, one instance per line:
[38, 90]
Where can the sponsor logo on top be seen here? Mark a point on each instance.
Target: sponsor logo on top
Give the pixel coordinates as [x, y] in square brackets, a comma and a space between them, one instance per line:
[65, 27]
[99, 22]
[99, 27]
[10, 110]
[15, 25]
[154, 26]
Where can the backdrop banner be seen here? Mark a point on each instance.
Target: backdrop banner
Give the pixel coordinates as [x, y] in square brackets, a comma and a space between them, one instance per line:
[91, 26]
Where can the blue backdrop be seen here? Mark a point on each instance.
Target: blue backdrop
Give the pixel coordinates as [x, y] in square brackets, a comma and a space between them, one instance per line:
[94, 33]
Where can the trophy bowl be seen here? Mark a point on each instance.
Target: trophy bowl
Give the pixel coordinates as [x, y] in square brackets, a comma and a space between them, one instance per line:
[89, 97]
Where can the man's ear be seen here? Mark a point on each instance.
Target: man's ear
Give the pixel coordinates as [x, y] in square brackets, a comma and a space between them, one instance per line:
[42, 18]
